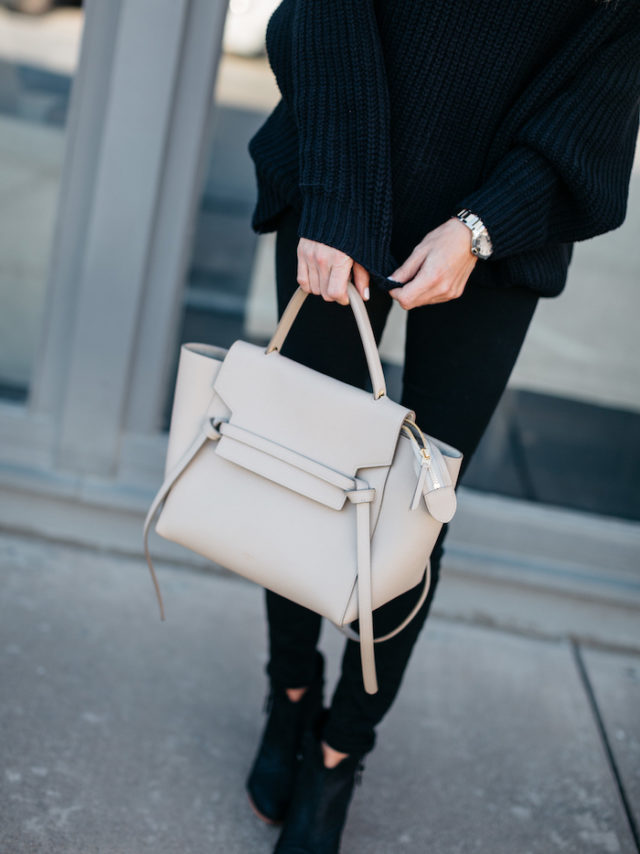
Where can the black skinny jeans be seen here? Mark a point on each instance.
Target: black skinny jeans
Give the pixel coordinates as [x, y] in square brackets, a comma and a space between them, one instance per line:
[458, 358]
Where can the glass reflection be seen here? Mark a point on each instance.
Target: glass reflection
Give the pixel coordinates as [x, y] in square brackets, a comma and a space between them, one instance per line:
[38, 58]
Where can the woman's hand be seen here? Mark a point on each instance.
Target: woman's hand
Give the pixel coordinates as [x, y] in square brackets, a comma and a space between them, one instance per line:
[325, 271]
[438, 268]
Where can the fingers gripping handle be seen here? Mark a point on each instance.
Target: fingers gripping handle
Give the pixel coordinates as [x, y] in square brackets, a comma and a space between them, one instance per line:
[364, 328]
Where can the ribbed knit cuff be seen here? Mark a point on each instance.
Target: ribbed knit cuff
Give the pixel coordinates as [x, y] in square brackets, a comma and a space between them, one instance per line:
[333, 221]
[514, 203]
[271, 201]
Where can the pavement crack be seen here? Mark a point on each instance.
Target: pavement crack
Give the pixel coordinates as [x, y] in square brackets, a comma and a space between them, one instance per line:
[613, 765]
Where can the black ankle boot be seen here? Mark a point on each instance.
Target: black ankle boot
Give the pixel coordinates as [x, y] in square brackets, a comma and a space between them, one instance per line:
[318, 810]
[270, 783]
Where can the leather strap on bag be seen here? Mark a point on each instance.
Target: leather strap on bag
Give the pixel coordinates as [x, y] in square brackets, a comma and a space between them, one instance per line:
[353, 635]
[364, 328]
[208, 433]
[362, 498]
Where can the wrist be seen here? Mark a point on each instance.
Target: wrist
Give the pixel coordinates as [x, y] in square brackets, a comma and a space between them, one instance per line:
[458, 236]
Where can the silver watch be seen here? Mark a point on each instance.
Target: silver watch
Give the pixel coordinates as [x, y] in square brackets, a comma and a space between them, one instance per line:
[480, 240]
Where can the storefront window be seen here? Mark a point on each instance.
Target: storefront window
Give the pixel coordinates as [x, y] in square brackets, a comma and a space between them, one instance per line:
[229, 294]
[38, 58]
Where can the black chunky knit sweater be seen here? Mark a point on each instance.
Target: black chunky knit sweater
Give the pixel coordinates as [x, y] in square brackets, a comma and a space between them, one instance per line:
[395, 114]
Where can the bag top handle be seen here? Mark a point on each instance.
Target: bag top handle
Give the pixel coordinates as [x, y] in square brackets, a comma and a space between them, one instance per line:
[364, 328]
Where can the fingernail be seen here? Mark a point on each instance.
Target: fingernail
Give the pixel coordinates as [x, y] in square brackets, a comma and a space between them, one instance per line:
[366, 293]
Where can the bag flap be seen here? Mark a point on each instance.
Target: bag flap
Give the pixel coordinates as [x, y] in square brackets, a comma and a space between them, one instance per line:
[335, 423]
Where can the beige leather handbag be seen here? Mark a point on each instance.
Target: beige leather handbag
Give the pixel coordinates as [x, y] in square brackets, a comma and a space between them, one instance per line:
[325, 493]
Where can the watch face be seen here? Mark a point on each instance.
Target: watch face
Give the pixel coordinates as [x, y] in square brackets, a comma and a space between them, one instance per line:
[482, 245]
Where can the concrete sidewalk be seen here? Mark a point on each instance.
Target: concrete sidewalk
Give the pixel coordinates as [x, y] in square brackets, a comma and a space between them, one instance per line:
[120, 734]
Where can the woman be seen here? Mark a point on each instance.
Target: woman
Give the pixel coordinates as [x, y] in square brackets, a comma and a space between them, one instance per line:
[473, 143]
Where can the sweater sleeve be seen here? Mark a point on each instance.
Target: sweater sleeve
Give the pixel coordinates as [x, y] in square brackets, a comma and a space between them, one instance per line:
[566, 175]
[340, 102]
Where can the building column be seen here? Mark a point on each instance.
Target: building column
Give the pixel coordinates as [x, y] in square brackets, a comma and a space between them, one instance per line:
[135, 151]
